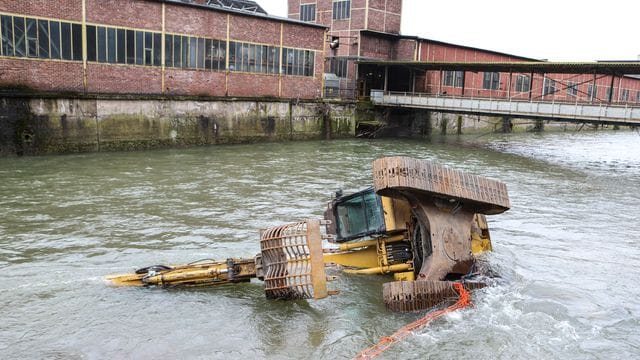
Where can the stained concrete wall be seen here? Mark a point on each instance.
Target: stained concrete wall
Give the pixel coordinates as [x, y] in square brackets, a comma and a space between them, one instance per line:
[399, 122]
[55, 125]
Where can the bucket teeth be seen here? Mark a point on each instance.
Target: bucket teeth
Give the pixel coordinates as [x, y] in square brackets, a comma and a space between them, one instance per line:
[407, 296]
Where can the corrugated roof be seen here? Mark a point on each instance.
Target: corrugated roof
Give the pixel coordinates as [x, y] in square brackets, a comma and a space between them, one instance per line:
[608, 68]
[262, 15]
[243, 5]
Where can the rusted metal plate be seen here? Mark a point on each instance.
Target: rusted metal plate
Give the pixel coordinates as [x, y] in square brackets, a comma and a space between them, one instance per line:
[292, 261]
[393, 175]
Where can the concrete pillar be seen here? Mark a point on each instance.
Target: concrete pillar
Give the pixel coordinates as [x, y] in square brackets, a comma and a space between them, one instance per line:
[459, 125]
[539, 126]
[443, 124]
[507, 125]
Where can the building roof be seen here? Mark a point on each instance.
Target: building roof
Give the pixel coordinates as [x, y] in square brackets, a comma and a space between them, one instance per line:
[410, 37]
[603, 68]
[239, 7]
[244, 5]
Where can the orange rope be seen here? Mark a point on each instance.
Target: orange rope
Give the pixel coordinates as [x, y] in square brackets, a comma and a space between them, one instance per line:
[386, 342]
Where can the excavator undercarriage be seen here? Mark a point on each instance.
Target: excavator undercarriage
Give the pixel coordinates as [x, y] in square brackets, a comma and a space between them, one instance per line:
[421, 222]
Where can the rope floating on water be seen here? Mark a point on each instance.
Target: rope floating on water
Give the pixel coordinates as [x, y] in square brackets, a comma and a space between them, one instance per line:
[464, 300]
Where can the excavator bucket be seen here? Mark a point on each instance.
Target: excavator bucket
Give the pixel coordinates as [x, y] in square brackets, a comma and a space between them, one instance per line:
[292, 262]
[444, 202]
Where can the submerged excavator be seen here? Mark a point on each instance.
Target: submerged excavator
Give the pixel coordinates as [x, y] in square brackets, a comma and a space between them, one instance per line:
[421, 222]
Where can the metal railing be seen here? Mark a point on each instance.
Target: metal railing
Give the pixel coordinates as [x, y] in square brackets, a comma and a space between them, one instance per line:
[552, 110]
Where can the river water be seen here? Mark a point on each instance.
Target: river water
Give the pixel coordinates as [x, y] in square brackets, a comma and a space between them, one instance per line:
[568, 252]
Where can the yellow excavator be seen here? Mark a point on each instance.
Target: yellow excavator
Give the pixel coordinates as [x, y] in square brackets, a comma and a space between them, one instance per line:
[421, 222]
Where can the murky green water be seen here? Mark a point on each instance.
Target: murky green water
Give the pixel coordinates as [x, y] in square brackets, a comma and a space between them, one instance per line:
[569, 251]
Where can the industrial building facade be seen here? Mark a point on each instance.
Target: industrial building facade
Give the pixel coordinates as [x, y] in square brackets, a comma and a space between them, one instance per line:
[220, 48]
[157, 47]
[362, 30]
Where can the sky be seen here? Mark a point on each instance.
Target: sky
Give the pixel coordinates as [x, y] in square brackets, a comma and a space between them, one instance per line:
[556, 30]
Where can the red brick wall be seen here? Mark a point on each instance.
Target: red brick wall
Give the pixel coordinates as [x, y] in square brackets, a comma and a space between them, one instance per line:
[242, 84]
[41, 75]
[145, 15]
[249, 29]
[300, 87]
[59, 9]
[405, 49]
[187, 20]
[105, 78]
[48, 75]
[194, 82]
[302, 37]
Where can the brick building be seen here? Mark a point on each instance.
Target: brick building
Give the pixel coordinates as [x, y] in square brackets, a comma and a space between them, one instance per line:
[370, 30]
[232, 48]
[209, 48]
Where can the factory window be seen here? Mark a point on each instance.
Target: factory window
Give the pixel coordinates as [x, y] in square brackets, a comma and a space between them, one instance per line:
[111, 45]
[523, 83]
[65, 40]
[185, 51]
[139, 48]
[624, 95]
[308, 12]
[43, 39]
[54, 39]
[148, 48]
[338, 66]
[638, 96]
[32, 37]
[253, 58]
[491, 81]
[168, 50]
[6, 27]
[131, 46]
[91, 43]
[121, 46]
[40, 38]
[297, 62]
[549, 86]
[192, 52]
[76, 38]
[102, 45]
[201, 54]
[607, 93]
[572, 88]
[19, 36]
[341, 9]
[592, 91]
[453, 78]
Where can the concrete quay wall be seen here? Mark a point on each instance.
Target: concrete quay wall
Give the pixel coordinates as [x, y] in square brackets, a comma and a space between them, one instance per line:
[38, 125]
